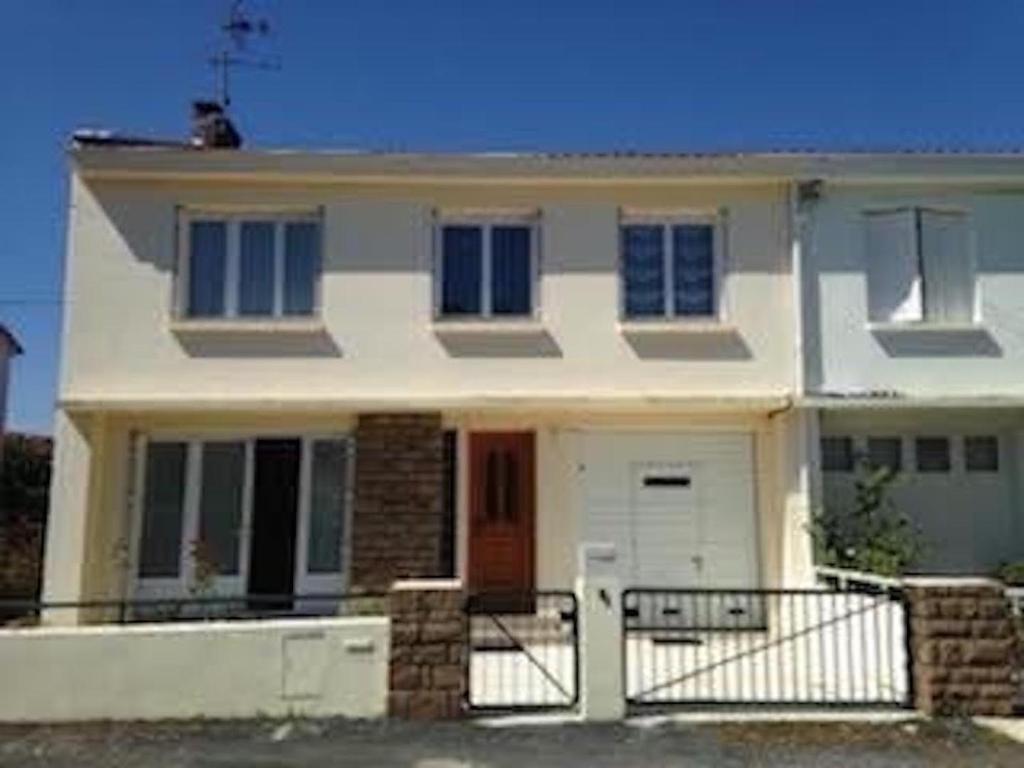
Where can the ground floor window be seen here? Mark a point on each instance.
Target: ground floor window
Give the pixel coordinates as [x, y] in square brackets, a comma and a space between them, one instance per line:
[247, 515]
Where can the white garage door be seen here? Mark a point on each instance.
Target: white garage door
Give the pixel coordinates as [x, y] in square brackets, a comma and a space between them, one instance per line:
[678, 506]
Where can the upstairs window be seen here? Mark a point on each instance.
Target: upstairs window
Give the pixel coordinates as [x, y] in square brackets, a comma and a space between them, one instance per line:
[669, 267]
[487, 267]
[920, 266]
[258, 266]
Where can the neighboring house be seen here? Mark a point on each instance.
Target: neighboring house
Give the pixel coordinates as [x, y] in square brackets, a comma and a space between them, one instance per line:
[9, 348]
[913, 319]
[326, 371]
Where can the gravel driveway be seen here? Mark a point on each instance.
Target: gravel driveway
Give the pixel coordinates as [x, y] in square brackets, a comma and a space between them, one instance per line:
[345, 743]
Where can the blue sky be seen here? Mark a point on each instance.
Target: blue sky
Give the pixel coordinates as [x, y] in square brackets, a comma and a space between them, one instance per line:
[445, 75]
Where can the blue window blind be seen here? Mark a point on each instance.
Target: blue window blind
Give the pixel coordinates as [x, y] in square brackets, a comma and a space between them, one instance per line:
[462, 270]
[510, 270]
[207, 262]
[693, 266]
[643, 270]
[301, 266]
[256, 268]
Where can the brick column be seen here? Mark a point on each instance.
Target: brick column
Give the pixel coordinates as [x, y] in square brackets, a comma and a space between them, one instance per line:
[428, 650]
[962, 647]
[398, 514]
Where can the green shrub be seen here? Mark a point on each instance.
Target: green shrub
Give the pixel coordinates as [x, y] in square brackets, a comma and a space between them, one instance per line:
[870, 535]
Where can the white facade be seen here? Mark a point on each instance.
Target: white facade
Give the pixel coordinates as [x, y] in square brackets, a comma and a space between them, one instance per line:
[727, 385]
[139, 367]
[912, 309]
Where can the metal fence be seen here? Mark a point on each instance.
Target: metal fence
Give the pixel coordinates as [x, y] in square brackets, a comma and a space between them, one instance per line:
[772, 647]
[24, 613]
[523, 651]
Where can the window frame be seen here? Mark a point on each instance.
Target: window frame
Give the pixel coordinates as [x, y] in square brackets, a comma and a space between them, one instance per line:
[234, 584]
[968, 469]
[914, 212]
[718, 220]
[848, 468]
[486, 220]
[233, 219]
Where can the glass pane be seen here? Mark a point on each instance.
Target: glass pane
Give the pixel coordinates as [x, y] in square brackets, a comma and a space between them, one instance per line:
[207, 259]
[643, 271]
[932, 454]
[886, 452]
[693, 265]
[301, 267]
[511, 489]
[327, 506]
[462, 270]
[981, 453]
[220, 506]
[160, 547]
[256, 268]
[510, 270]
[837, 454]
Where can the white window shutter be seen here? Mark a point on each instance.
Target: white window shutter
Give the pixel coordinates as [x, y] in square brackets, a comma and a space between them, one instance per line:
[894, 277]
[948, 267]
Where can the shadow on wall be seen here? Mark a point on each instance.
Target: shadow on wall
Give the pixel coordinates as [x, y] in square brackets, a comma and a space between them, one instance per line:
[498, 344]
[252, 344]
[938, 342]
[675, 345]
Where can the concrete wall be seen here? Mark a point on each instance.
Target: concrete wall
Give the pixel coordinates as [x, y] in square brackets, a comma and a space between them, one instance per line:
[377, 300]
[969, 523]
[842, 353]
[309, 667]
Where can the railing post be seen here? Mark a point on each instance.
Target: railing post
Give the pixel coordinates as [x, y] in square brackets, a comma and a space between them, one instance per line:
[601, 650]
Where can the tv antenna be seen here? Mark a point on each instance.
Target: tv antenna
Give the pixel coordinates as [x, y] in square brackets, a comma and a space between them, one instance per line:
[238, 29]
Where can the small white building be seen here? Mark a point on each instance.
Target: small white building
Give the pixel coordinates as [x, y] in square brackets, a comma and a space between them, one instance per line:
[9, 348]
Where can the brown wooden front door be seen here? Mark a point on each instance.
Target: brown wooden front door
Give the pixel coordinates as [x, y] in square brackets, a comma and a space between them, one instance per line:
[502, 506]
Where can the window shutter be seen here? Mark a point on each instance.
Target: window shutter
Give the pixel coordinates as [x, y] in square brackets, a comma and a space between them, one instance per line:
[894, 278]
[948, 270]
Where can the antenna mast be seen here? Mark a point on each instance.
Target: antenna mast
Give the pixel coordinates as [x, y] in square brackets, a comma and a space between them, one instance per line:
[238, 28]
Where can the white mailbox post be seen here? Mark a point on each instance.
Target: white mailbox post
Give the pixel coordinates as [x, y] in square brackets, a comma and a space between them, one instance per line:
[599, 594]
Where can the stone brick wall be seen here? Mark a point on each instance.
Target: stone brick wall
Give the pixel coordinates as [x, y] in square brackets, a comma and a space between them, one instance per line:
[428, 650]
[963, 648]
[397, 518]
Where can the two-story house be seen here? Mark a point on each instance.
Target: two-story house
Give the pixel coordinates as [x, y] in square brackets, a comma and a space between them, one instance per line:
[912, 317]
[307, 372]
[298, 372]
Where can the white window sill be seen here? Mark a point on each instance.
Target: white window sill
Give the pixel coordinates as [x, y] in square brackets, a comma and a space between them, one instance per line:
[270, 325]
[923, 326]
[682, 326]
[526, 325]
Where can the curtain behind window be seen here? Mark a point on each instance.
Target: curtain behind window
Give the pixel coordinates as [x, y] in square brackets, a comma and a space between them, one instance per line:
[207, 263]
[256, 268]
[693, 268]
[510, 270]
[643, 270]
[461, 269]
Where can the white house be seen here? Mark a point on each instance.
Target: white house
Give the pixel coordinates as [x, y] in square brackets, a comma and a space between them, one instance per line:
[9, 348]
[912, 298]
[319, 371]
[309, 372]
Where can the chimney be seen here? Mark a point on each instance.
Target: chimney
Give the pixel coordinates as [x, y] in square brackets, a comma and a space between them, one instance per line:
[211, 128]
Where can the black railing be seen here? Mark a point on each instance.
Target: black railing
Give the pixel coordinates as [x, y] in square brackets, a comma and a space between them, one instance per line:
[16, 612]
[771, 647]
[523, 651]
